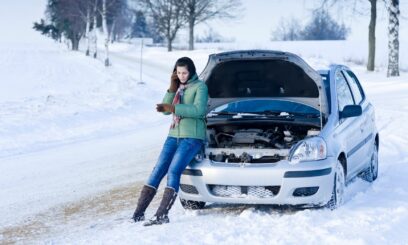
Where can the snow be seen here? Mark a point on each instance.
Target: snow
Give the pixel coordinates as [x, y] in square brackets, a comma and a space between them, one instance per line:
[77, 140]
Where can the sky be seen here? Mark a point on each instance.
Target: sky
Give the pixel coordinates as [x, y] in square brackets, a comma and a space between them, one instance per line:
[261, 17]
[17, 13]
[255, 24]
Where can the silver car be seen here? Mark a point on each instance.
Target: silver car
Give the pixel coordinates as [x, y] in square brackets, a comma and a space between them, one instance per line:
[279, 132]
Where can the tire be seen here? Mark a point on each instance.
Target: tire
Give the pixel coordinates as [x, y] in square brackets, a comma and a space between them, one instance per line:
[339, 184]
[371, 173]
[192, 205]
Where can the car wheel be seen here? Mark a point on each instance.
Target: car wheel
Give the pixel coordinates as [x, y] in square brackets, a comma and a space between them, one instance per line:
[370, 174]
[188, 204]
[339, 184]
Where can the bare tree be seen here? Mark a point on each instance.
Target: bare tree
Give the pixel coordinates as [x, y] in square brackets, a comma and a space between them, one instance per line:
[94, 30]
[198, 11]
[105, 30]
[323, 27]
[371, 36]
[89, 26]
[287, 30]
[110, 11]
[121, 26]
[371, 27]
[167, 16]
[393, 41]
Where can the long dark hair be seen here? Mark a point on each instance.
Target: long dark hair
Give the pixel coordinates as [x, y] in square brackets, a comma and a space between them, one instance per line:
[187, 62]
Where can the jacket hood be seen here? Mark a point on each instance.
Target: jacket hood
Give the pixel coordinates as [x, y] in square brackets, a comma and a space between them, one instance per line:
[249, 74]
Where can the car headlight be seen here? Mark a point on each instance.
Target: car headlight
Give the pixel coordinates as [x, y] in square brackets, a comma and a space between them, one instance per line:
[308, 150]
[199, 157]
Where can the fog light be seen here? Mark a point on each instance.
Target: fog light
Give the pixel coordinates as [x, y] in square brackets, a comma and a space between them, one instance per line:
[305, 191]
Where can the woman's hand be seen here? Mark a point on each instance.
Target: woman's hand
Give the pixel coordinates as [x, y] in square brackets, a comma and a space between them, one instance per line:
[174, 82]
[165, 108]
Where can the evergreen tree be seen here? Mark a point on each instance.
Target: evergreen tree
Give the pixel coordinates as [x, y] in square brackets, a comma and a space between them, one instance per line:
[140, 27]
[65, 19]
[47, 29]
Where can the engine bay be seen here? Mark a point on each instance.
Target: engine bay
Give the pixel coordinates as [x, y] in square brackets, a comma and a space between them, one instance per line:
[260, 144]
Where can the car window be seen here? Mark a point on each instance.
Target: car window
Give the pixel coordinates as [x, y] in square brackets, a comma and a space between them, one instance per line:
[344, 96]
[355, 86]
[326, 81]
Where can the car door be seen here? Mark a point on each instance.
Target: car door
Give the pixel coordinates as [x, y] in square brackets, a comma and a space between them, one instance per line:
[349, 129]
[367, 124]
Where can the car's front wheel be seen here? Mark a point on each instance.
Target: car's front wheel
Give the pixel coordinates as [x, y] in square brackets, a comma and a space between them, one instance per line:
[188, 204]
[370, 174]
[339, 184]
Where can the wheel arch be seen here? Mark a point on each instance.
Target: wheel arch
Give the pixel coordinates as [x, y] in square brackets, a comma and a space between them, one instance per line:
[343, 159]
[377, 141]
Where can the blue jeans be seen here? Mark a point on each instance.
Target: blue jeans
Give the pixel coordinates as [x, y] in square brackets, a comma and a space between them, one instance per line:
[173, 159]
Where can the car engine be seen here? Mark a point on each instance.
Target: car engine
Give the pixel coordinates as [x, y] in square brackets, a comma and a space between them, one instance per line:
[254, 145]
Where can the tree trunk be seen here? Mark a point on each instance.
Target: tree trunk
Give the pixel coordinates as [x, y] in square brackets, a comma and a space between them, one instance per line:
[106, 32]
[371, 36]
[169, 46]
[95, 42]
[94, 30]
[75, 43]
[88, 31]
[112, 31]
[393, 42]
[191, 34]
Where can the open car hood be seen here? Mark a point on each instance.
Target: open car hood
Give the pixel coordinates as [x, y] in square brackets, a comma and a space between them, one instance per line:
[256, 74]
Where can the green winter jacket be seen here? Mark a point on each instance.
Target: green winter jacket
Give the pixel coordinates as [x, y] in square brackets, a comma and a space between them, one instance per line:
[191, 110]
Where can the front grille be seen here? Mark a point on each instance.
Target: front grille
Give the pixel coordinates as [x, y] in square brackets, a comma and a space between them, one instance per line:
[188, 189]
[244, 191]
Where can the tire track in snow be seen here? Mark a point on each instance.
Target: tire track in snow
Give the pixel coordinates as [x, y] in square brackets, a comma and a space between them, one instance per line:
[70, 215]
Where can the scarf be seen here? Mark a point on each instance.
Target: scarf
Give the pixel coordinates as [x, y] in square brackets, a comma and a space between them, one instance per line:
[178, 99]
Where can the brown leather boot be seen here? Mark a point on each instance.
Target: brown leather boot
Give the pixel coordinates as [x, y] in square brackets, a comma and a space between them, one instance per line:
[146, 196]
[162, 212]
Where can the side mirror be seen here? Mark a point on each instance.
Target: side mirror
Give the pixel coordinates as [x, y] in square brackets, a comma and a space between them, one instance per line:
[351, 111]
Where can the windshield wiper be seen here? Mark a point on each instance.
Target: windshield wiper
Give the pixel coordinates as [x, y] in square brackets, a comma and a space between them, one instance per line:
[308, 115]
[271, 113]
[284, 114]
[266, 113]
[222, 113]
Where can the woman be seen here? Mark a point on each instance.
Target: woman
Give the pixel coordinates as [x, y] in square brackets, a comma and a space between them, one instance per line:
[186, 100]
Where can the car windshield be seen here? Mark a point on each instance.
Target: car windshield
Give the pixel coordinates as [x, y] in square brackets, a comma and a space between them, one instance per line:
[267, 107]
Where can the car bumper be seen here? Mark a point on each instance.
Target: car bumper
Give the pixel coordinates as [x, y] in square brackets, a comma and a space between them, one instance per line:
[306, 183]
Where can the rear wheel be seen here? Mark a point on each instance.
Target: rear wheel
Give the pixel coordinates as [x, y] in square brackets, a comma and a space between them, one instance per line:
[194, 205]
[339, 184]
[370, 174]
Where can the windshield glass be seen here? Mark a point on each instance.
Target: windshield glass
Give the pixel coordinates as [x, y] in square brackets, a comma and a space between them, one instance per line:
[265, 106]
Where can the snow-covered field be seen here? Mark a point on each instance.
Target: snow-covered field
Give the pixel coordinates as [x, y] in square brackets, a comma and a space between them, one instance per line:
[77, 140]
